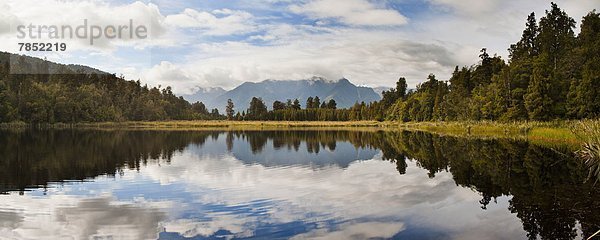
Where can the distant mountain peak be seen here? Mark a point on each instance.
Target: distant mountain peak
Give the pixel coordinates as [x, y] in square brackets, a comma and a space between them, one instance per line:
[342, 91]
[345, 81]
[204, 94]
[318, 79]
[210, 89]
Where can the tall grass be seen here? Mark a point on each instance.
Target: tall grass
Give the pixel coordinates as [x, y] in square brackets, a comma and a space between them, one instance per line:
[590, 151]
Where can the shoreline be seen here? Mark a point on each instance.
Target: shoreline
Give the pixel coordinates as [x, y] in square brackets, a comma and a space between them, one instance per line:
[563, 132]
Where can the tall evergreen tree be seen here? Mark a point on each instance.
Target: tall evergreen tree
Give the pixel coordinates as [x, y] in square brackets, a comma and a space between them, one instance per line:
[229, 109]
[316, 102]
[257, 109]
[331, 104]
[584, 93]
[215, 112]
[401, 88]
[556, 39]
[309, 102]
[277, 105]
[5, 106]
[522, 55]
[538, 101]
[527, 47]
[296, 104]
[200, 108]
[556, 34]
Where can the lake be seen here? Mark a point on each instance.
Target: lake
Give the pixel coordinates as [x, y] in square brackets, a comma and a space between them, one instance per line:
[117, 184]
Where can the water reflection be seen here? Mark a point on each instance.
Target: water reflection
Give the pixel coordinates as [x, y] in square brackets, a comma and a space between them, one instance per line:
[288, 184]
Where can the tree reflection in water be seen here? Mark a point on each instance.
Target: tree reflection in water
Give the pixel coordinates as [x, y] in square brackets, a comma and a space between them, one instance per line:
[548, 188]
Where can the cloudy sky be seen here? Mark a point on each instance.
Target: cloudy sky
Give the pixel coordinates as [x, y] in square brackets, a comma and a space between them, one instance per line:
[206, 190]
[224, 43]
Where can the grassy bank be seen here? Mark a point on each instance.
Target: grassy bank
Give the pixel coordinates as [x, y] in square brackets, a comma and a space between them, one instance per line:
[547, 133]
[238, 125]
[212, 124]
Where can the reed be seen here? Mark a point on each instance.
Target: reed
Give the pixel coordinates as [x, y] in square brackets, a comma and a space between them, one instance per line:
[589, 153]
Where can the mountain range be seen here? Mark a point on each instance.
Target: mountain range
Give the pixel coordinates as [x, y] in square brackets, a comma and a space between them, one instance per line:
[342, 91]
[18, 63]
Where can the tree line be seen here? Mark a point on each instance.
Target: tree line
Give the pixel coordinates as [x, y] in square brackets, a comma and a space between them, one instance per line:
[291, 110]
[550, 74]
[71, 96]
[539, 185]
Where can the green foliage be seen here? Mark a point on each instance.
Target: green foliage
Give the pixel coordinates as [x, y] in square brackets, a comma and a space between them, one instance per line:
[583, 100]
[391, 96]
[277, 105]
[296, 104]
[527, 47]
[551, 75]
[556, 35]
[6, 109]
[229, 109]
[316, 102]
[70, 97]
[424, 105]
[331, 104]
[309, 102]
[590, 152]
[326, 111]
[257, 109]
[537, 99]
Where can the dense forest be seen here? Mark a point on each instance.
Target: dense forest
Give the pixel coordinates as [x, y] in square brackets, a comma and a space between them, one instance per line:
[315, 110]
[73, 95]
[551, 73]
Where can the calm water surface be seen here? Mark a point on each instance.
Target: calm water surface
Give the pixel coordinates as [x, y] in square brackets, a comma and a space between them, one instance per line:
[81, 184]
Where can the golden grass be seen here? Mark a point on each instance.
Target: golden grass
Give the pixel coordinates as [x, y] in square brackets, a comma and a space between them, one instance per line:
[545, 133]
[551, 134]
[228, 125]
[558, 135]
[590, 150]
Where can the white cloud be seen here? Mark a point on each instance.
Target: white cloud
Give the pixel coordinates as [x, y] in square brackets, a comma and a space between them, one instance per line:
[365, 57]
[351, 12]
[471, 7]
[68, 217]
[494, 24]
[218, 22]
[369, 197]
[369, 230]
[76, 13]
[449, 33]
[184, 80]
[7, 19]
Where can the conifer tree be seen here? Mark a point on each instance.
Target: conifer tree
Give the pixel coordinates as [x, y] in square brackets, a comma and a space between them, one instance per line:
[331, 104]
[229, 109]
[296, 104]
[537, 99]
[309, 102]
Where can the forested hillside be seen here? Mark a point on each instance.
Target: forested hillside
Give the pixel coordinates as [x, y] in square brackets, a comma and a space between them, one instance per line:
[84, 96]
[551, 74]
